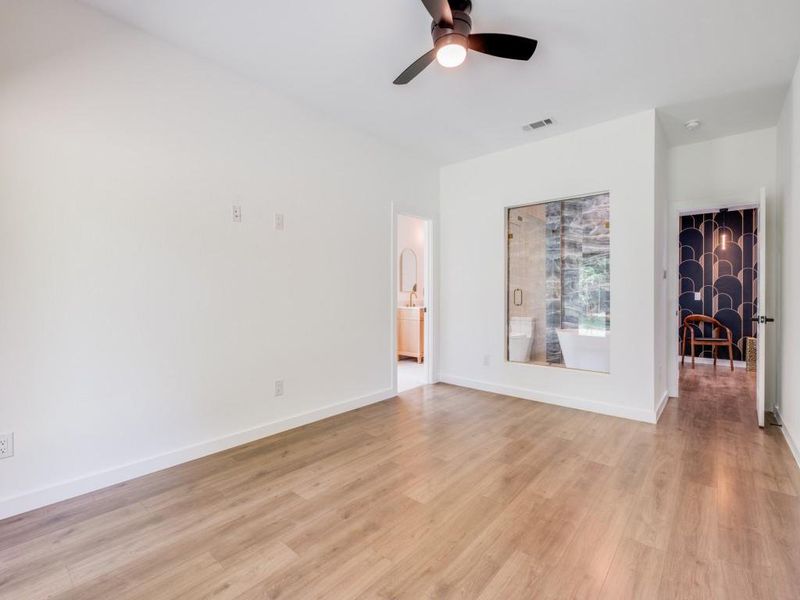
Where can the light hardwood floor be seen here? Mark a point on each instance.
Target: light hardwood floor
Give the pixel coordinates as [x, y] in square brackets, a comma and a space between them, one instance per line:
[444, 492]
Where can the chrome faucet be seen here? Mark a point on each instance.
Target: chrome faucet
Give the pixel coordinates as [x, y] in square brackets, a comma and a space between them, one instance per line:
[412, 295]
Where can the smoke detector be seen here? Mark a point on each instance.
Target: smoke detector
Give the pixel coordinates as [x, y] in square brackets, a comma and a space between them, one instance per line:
[692, 125]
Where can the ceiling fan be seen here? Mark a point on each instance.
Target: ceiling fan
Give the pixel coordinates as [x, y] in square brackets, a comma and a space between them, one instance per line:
[452, 37]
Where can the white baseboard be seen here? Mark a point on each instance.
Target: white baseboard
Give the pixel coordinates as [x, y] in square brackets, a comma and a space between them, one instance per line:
[662, 404]
[614, 410]
[64, 490]
[788, 437]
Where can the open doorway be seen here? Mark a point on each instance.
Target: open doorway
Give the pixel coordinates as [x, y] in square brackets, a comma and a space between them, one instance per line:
[720, 290]
[412, 284]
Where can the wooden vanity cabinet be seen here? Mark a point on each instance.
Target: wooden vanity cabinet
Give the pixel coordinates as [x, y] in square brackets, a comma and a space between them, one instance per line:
[411, 332]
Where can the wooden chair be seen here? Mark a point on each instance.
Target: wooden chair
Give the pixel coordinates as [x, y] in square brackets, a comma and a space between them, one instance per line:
[689, 324]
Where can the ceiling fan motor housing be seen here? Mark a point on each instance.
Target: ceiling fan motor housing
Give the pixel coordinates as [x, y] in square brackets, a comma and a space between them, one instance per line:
[462, 26]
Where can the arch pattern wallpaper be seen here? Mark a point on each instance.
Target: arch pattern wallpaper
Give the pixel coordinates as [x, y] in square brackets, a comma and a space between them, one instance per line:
[719, 278]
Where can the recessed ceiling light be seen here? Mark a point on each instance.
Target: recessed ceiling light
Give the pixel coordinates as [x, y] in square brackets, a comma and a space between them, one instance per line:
[692, 125]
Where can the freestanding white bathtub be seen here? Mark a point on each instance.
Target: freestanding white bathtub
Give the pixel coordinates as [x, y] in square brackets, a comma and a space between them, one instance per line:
[587, 352]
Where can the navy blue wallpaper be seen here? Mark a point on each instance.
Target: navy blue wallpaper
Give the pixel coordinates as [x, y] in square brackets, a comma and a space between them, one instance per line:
[726, 279]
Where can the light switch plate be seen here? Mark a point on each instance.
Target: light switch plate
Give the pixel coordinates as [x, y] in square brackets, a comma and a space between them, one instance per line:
[698, 296]
[278, 221]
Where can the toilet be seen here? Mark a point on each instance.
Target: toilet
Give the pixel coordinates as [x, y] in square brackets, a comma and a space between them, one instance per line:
[520, 339]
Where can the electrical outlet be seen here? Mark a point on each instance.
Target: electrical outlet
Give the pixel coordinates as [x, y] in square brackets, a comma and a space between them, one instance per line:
[237, 213]
[278, 221]
[487, 359]
[279, 387]
[697, 296]
[6, 445]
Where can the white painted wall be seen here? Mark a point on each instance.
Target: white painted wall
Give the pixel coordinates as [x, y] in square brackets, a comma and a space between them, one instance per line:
[617, 156]
[788, 149]
[140, 326]
[725, 171]
[411, 234]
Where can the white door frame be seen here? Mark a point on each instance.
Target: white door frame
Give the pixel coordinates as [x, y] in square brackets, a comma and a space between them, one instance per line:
[761, 369]
[430, 291]
[679, 210]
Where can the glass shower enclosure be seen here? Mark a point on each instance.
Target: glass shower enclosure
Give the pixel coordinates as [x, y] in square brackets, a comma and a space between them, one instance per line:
[559, 283]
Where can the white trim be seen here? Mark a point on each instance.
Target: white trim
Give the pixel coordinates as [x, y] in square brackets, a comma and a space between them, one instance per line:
[430, 300]
[394, 274]
[64, 490]
[603, 408]
[788, 437]
[792, 446]
[662, 404]
[763, 295]
[702, 211]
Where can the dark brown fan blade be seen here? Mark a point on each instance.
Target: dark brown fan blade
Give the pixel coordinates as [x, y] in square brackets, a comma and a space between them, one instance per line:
[440, 11]
[416, 68]
[503, 45]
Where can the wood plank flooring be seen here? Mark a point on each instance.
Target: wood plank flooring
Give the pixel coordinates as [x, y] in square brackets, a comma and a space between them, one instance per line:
[444, 492]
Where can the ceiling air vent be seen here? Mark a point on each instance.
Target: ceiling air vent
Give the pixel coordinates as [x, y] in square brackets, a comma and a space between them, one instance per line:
[537, 125]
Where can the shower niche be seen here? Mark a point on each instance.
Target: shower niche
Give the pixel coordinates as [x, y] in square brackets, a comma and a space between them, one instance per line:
[559, 284]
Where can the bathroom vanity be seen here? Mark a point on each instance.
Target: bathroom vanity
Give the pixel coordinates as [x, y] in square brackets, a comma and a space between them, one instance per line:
[411, 332]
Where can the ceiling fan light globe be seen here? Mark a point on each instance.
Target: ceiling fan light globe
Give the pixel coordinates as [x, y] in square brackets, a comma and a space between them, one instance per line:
[451, 55]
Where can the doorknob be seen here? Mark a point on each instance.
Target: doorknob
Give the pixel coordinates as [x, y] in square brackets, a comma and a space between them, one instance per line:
[762, 319]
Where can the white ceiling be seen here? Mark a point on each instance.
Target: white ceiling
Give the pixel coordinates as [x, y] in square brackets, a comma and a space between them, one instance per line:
[595, 61]
[724, 115]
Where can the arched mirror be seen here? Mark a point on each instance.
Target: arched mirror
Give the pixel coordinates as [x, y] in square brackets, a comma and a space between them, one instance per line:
[408, 270]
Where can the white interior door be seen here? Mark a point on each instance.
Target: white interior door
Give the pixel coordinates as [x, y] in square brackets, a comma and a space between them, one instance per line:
[762, 318]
